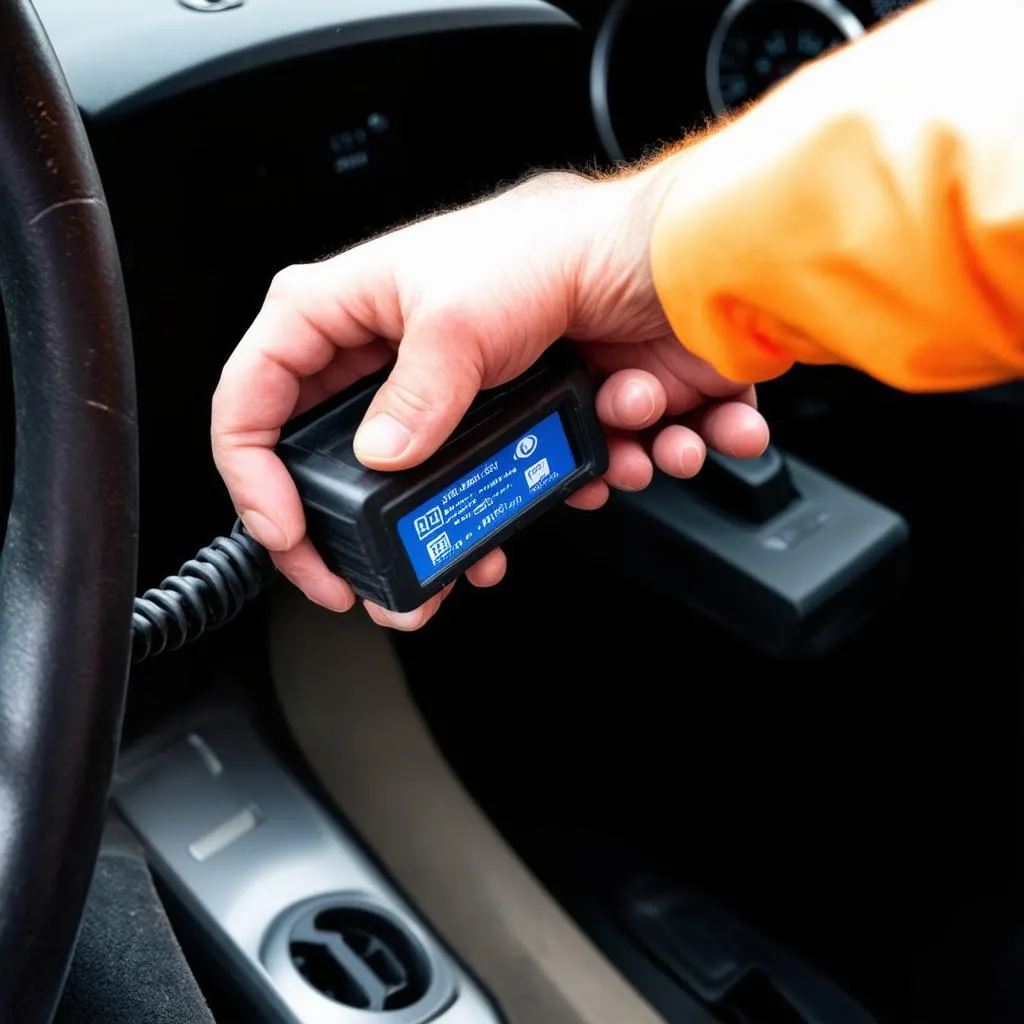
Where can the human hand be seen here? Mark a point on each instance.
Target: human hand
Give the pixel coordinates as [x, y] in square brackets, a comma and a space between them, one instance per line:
[468, 300]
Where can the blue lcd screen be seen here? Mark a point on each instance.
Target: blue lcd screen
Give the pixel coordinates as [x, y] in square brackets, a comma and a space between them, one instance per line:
[457, 519]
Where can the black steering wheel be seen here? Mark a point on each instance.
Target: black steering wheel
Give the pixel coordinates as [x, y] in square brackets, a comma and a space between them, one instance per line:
[67, 576]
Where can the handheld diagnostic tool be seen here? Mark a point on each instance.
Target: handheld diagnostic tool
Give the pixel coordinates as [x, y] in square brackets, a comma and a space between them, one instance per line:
[398, 538]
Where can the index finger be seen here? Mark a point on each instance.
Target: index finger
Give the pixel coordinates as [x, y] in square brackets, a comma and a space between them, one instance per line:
[303, 322]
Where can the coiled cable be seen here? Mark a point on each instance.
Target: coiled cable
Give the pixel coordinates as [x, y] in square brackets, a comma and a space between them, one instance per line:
[208, 591]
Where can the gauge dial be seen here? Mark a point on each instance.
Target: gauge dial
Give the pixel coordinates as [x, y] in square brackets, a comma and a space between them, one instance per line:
[759, 42]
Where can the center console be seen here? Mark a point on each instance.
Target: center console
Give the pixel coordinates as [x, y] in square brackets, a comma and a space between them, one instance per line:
[776, 551]
[311, 930]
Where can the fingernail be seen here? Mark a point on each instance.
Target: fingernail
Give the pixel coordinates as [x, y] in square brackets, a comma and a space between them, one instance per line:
[394, 620]
[691, 460]
[383, 437]
[634, 402]
[335, 604]
[405, 620]
[335, 598]
[264, 531]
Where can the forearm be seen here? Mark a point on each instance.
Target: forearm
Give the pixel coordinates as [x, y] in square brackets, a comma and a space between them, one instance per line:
[870, 212]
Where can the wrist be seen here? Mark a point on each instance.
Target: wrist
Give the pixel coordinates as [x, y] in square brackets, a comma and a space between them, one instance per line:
[612, 286]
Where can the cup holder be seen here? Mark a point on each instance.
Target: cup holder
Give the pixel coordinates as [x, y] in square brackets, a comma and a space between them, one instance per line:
[351, 958]
[359, 958]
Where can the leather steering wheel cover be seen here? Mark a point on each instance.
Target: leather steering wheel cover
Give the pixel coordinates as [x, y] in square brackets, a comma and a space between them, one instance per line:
[67, 576]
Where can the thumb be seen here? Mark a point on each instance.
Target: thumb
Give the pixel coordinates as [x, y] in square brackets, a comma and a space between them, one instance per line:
[425, 396]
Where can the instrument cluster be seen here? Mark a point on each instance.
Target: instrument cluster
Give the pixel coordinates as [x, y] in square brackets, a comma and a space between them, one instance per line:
[662, 68]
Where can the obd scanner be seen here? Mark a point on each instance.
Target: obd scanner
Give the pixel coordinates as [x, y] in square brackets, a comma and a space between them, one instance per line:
[400, 537]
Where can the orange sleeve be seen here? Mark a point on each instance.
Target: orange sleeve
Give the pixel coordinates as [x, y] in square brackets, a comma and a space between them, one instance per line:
[868, 212]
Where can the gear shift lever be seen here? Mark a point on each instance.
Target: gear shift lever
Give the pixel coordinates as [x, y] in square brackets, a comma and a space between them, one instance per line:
[772, 548]
[755, 490]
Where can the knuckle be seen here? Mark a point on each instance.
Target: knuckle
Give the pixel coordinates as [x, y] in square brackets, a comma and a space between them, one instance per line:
[288, 281]
[224, 390]
[408, 399]
[453, 319]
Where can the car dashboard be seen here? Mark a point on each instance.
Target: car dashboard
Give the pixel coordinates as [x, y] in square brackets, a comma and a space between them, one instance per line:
[237, 136]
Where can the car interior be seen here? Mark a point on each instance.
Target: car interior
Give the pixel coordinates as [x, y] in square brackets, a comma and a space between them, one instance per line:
[740, 750]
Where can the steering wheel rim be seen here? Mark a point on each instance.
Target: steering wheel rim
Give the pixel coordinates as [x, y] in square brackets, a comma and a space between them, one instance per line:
[67, 573]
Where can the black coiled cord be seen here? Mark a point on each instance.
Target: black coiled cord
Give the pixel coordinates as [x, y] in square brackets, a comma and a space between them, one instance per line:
[209, 590]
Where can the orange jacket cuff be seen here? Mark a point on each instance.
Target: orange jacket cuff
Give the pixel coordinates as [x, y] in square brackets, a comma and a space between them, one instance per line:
[848, 219]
